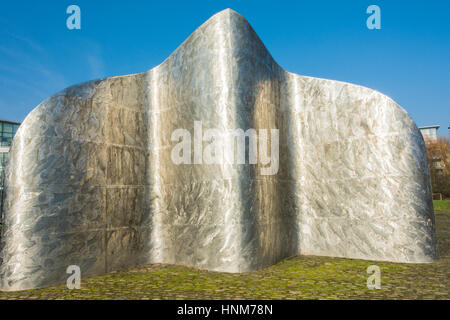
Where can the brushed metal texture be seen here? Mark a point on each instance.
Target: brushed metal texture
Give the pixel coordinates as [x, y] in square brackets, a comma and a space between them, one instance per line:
[91, 181]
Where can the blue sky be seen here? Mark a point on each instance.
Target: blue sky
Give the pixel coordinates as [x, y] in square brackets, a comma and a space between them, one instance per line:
[408, 59]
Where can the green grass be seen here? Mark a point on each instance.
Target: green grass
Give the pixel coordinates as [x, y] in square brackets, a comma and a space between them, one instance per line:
[301, 277]
[441, 205]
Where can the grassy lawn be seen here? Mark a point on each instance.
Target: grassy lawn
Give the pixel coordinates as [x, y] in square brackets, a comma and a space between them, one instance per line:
[302, 277]
[441, 205]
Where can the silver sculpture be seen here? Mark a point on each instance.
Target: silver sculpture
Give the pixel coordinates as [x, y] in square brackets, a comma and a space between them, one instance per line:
[91, 180]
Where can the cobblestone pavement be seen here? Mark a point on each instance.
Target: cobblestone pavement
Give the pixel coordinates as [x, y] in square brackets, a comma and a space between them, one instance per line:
[302, 277]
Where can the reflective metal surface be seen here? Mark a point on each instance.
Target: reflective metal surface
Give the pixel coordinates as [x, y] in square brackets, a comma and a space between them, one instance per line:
[91, 181]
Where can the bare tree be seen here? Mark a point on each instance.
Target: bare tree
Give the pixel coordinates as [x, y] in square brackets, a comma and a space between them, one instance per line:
[439, 165]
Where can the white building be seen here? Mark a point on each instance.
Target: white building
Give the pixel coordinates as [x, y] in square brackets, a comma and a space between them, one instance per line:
[429, 133]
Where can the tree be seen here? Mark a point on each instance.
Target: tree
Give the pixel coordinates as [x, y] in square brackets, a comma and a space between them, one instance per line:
[439, 165]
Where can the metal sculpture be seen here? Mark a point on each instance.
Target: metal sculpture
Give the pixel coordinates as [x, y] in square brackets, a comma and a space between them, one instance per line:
[92, 181]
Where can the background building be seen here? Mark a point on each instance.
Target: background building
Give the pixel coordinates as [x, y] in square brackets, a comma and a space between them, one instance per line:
[438, 151]
[7, 131]
[429, 133]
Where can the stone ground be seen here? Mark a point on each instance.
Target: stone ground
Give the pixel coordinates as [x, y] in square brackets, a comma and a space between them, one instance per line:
[302, 277]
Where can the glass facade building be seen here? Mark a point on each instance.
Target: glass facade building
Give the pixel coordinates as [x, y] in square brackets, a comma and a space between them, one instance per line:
[7, 131]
